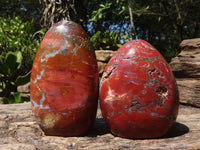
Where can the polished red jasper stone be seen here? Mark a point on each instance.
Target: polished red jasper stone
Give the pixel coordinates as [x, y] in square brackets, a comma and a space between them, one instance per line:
[138, 92]
[64, 81]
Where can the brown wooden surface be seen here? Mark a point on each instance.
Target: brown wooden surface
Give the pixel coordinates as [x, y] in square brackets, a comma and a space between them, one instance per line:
[19, 131]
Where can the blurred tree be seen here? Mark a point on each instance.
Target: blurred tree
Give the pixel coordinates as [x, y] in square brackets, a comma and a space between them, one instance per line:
[56, 10]
[27, 9]
[166, 23]
[162, 23]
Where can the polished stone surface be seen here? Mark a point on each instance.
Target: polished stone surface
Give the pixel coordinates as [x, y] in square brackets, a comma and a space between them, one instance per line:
[138, 92]
[64, 81]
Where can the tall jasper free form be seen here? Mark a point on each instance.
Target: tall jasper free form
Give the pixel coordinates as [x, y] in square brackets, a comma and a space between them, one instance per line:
[64, 81]
[138, 92]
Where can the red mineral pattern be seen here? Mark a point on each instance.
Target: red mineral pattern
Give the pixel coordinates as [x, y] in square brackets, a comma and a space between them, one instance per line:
[64, 81]
[138, 92]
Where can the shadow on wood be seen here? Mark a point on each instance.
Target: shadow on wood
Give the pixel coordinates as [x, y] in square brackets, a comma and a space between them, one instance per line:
[100, 128]
[178, 129]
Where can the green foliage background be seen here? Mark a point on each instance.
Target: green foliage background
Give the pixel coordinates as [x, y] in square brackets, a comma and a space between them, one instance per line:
[110, 24]
[16, 35]
[17, 51]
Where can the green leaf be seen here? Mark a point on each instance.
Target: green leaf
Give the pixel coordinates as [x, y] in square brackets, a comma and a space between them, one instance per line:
[101, 5]
[100, 16]
[17, 98]
[42, 31]
[4, 68]
[13, 61]
[19, 58]
[13, 99]
[127, 17]
[5, 100]
[123, 10]
[21, 80]
[159, 18]
[119, 45]
[1, 64]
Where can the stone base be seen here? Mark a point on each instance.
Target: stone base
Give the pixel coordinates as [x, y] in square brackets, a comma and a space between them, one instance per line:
[18, 130]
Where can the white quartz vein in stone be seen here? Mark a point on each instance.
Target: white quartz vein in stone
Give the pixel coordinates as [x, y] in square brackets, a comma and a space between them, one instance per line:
[38, 77]
[35, 105]
[62, 50]
[112, 96]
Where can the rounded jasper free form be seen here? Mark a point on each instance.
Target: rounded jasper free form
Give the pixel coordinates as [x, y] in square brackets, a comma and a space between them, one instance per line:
[64, 81]
[138, 92]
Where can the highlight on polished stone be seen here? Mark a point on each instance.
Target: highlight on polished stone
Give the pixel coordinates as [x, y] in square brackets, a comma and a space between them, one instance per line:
[138, 92]
[64, 81]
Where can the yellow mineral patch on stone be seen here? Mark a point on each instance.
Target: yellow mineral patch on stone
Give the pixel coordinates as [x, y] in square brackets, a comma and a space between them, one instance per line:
[49, 120]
